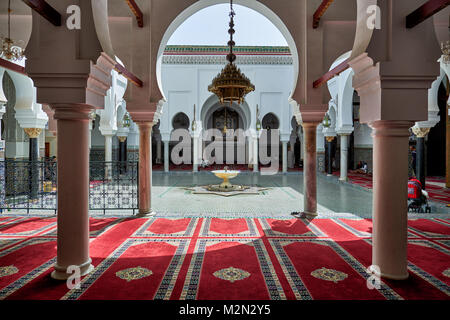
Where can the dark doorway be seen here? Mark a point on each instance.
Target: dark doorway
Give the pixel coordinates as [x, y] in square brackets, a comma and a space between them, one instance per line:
[436, 139]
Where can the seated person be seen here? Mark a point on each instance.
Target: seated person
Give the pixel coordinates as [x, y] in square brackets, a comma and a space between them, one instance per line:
[416, 194]
[361, 168]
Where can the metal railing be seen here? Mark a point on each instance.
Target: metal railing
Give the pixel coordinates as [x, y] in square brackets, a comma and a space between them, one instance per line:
[32, 185]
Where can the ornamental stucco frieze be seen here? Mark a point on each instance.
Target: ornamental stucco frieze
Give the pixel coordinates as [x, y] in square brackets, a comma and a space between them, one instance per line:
[220, 60]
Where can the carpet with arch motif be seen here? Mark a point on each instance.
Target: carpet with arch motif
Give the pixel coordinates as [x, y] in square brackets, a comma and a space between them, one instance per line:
[220, 259]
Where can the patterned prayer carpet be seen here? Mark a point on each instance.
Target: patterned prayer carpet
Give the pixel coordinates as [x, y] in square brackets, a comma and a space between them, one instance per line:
[435, 186]
[220, 259]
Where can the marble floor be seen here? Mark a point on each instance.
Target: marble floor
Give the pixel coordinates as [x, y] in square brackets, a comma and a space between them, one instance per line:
[284, 194]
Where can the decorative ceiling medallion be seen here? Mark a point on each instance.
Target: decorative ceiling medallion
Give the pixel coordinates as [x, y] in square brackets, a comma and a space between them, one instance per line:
[8, 270]
[231, 274]
[446, 272]
[133, 273]
[329, 275]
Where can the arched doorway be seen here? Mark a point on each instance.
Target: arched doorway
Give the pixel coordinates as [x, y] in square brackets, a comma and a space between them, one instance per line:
[180, 121]
[215, 115]
[270, 122]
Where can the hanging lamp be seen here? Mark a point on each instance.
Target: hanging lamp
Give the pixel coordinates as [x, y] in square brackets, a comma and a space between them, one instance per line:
[230, 85]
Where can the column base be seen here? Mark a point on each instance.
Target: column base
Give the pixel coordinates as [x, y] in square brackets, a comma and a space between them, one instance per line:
[343, 179]
[388, 276]
[60, 273]
[144, 213]
[305, 215]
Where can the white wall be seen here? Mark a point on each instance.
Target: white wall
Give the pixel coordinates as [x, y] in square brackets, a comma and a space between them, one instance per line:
[186, 85]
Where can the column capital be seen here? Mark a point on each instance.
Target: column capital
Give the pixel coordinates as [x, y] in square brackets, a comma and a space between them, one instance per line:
[313, 112]
[310, 125]
[345, 130]
[388, 128]
[420, 132]
[145, 124]
[72, 111]
[33, 133]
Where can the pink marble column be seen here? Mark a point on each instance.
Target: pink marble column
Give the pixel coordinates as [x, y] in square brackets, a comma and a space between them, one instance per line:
[73, 189]
[145, 168]
[309, 169]
[390, 213]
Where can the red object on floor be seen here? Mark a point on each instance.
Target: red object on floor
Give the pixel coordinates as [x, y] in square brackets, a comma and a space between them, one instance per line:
[216, 258]
[435, 192]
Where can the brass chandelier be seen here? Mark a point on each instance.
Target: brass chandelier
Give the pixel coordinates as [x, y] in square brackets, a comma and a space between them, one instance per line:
[230, 85]
[11, 49]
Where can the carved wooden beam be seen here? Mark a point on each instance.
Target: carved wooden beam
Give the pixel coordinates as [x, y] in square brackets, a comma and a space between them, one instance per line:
[45, 10]
[320, 12]
[427, 10]
[137, 12]
[12, 66]
[127, 74]
[331, 74]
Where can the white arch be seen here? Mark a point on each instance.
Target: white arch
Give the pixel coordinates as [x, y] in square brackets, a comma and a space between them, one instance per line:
[252, 4]
[179, 113]
[29, 114]
[433, 104]
[341, 90]
[212, 104]
[274, 115]
[113, 101]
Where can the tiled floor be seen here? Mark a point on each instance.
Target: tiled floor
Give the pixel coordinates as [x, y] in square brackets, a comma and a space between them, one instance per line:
[284, 195]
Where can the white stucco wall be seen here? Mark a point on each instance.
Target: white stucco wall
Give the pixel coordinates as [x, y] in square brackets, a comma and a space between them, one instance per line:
[187, 84]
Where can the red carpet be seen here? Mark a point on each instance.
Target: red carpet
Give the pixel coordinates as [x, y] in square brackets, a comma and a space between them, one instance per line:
[214, 258]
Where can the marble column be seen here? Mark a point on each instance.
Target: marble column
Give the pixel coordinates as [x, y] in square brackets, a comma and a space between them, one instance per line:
[33, 158]
[108, 156]
[122, 153]
[285, 155]
[108, 147]
[195, 153]
[158, 150]
[256, 154]
[421, 134]
[2, 144]
[300, 137]
[329, 155]
[447, 146]
[309, 169]
[390, 213]
[344, 157]
[122, 148]
[73, 189]
[166, 156]
[2, 151]
[92, 116]
[145, 168]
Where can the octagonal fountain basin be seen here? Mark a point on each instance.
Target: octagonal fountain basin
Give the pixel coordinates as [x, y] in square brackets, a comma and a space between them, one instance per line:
[225, 175]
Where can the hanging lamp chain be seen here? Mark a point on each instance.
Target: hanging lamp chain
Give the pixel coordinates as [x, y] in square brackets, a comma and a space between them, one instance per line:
[9, 19]
[231, 57]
